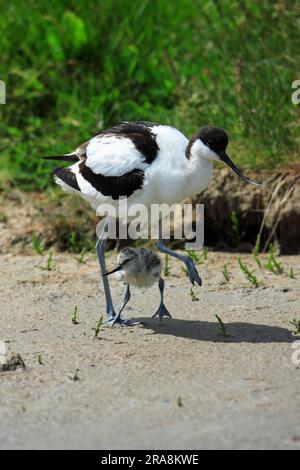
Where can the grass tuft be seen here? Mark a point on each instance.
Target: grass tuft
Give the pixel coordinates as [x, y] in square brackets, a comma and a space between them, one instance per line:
[98, 327]
[37, 244]
[296, 324]
[223, 330]
[49, 264]
[193, 295]
[248, 273]
[74, 316]
[273, 264]
[225, 273]
[166, 269]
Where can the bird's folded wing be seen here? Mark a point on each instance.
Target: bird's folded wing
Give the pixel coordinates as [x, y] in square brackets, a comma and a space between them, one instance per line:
[121, 149]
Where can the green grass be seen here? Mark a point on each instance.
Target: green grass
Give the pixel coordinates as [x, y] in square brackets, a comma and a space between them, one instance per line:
[193, 295]
[3, 218]
[76, 67]
[236, 229]
[296, 324]
[49, 263]
[223, 330]
[273, 264]
[226, 273]
[292, 274]
[40, 360]
[75, 316]
[248, 273]
[36, 244]
[194, 256]
[98, 327]
[80, 259]
[166, 269]
[256, 258]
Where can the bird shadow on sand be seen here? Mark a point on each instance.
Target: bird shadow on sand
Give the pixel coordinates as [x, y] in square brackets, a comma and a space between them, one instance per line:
[239, 332]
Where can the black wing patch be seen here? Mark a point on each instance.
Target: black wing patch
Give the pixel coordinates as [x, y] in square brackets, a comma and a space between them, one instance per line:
[67, 176]
[140, 135]
[114, 186]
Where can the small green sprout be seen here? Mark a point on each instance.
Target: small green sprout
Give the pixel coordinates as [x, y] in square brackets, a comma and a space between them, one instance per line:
[205, 253]
[74, 316]
[179, 402]
[248, 274]
[296, 324]
[80, 258]
[256, 258]
[193, 295]
[49, 265]
[195, 257]
[223, 331]
[3, 218]
[36, 244]
[292, 274]
[257, 247]
[166, 269]
[40, 360]
[73, 242]
[225, 273]
[98, 327]
[235, 223]
[273, 265]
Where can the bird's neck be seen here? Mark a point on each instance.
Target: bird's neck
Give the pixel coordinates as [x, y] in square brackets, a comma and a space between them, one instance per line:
[199, 172]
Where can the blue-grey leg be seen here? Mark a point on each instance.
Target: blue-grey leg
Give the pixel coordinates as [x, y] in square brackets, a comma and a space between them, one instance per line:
[127, 297]
[162, 311]
[118, 317]
[112, 317]
[190, 266]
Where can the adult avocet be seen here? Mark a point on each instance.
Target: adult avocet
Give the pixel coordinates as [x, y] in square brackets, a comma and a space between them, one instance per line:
[147, 163]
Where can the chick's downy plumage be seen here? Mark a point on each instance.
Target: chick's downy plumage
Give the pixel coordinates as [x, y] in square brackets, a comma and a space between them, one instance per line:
[138, 267]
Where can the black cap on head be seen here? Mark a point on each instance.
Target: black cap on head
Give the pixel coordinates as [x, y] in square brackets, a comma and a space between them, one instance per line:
[217, 140]
[214, 138]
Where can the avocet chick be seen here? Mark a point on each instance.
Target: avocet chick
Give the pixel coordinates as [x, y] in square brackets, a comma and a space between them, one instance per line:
[140, 267]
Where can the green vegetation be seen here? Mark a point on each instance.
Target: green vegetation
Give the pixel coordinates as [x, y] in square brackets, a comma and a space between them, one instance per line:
[223, 330]
[292, 274]
[248, 273]
[98, 327]
[256, 258]
[193, 295]
[273, 264]
[225, 273]
[74, 316]
[296, 324]
[205, 253]
[74, 67]
[236, 229]
[166, 269]
[3, 218]
[36, 244]
[80, 258]
[194, 256]
[40, 360]
[49, 264]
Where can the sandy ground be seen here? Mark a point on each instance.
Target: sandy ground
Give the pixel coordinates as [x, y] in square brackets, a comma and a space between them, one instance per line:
[179, 384]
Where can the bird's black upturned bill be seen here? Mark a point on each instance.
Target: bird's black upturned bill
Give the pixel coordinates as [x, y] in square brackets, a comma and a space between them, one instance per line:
[224, 157]
[115, 270]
